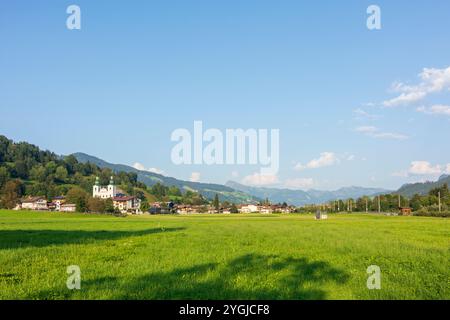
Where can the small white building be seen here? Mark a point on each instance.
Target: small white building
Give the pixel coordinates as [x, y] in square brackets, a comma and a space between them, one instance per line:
[266, 210]
[104, 192]
[251, 208]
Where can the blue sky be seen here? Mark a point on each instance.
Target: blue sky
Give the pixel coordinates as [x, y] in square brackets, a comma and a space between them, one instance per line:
[137, 70]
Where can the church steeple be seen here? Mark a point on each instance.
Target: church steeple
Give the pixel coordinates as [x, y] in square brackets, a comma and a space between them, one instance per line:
[97, 181]
[111, 181]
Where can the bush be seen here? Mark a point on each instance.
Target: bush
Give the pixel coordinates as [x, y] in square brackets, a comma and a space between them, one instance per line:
[424, 213]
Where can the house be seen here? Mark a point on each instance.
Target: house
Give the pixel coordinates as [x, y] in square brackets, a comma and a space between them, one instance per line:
[163, 208]
[266, 210]
[287, 210]
[68, 207]
[34, 203]
[213, 210]
[405, 211]
[251, 208]
[127, 204]
[58, 201]
[185, 209]
[51, 206]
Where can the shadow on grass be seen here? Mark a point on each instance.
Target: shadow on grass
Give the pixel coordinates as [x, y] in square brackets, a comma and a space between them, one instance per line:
[247, 277]
[13, 239]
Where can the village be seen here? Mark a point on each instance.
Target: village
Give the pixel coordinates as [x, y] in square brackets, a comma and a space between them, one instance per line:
[131, 205]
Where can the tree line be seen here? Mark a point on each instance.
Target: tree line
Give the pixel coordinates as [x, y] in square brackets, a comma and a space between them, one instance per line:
[435, 203]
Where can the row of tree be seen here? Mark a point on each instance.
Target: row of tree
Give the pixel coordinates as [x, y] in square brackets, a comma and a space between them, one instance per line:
[436, 202]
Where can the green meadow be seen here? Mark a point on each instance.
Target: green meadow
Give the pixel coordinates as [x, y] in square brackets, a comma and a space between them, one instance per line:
[223, 256]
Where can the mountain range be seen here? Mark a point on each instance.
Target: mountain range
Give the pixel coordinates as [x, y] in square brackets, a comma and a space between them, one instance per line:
[235, 192]
[299, 197]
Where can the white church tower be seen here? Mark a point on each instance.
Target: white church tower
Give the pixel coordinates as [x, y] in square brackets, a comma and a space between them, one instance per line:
[102, 192]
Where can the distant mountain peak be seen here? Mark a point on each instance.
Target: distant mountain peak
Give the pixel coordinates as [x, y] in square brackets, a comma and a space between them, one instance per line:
[301, 197]
[423, 188]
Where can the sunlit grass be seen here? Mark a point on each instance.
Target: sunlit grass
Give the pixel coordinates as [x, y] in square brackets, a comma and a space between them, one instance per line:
[223, 256]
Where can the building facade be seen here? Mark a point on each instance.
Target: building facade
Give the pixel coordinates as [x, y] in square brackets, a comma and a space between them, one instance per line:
[127, 204]
[34, 203]
[104, 192]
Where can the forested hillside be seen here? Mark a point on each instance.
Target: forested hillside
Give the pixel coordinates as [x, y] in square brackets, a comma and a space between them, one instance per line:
[25, 170]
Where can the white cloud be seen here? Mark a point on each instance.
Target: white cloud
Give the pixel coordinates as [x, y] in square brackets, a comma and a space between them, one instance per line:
[424, 168]
[361, 114]
[299, 183]
[351, 157]
[258, 179]
[432, 81]
[195, 177]
[235, 174]
[326, 159]
[374, 132]
[141, 167]
[436, 110]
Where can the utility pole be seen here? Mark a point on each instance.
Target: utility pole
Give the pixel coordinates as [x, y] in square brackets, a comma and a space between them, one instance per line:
[379, 204]
[399, 201]
[367, 206]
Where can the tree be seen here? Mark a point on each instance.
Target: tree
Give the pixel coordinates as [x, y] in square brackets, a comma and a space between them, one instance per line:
[61, 174]
[145, 206]
[140, 195]
[11, 193]
[50, 168]
[71, 163]
[234, 209]
[4, 176]
[416, 203]
[216, 203]
[21, 169]
[159, 191]
[96, 205]
[226, 204]
[109, 206]
[79, 197]
[38, 173]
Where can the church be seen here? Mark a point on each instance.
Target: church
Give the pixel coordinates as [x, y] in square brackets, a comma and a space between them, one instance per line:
[125, 204]
[104, 192]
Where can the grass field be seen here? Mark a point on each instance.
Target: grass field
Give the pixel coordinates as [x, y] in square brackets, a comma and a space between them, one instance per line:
[223, 257]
